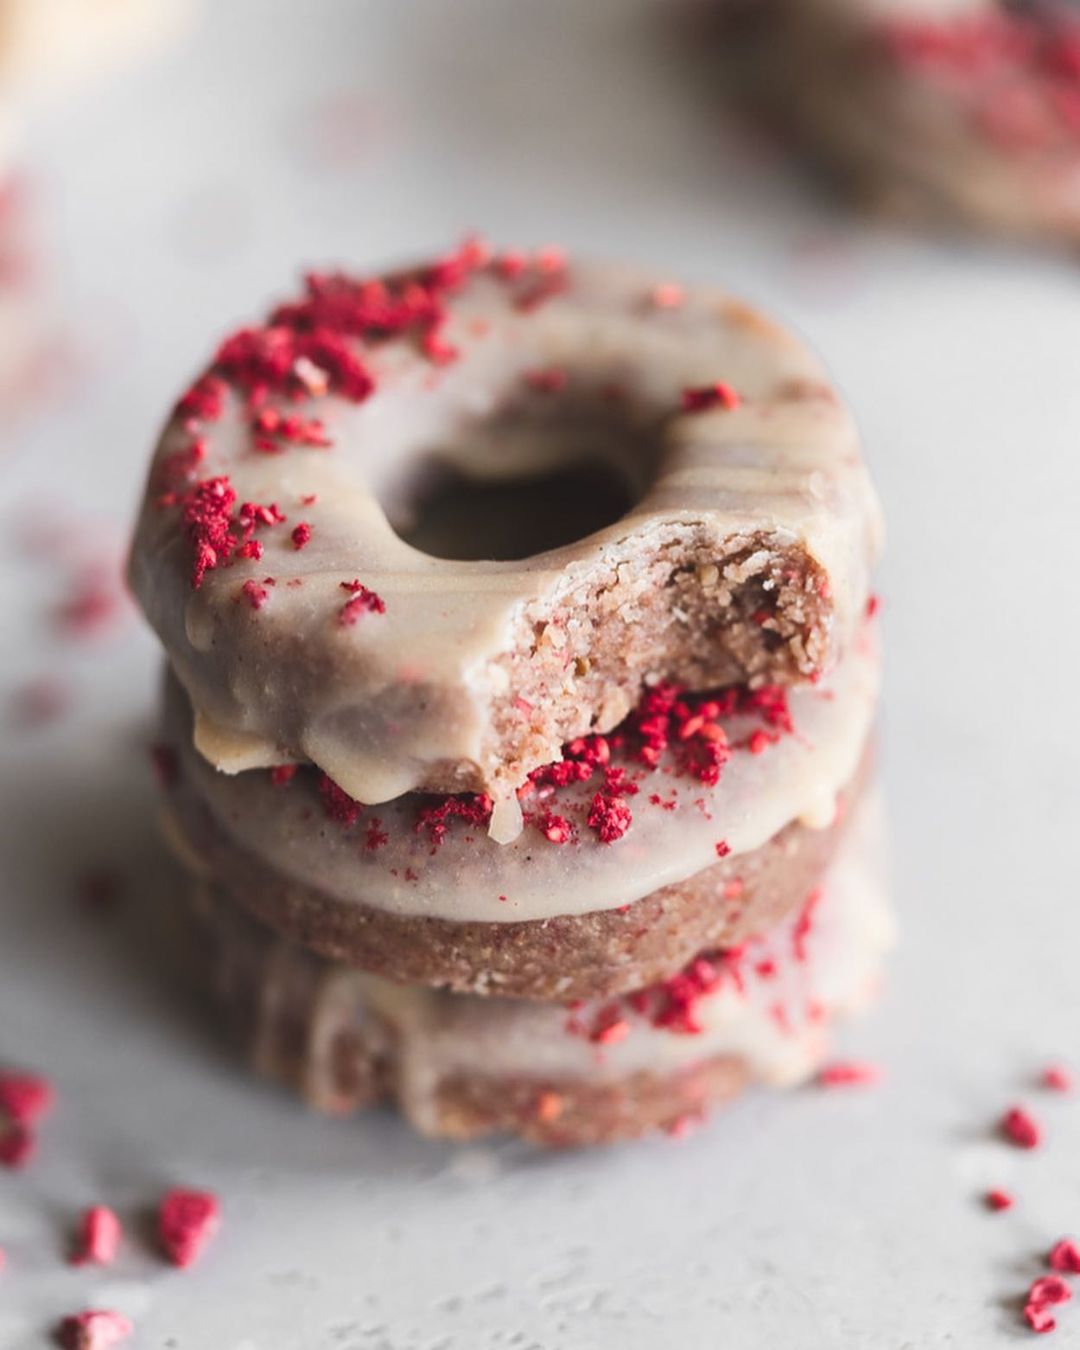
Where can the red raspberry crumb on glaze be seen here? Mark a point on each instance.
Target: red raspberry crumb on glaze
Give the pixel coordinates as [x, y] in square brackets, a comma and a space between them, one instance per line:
[337, 803]
[25, 1098]
[94, 1329]
[301, 535]
[1065, 1257]
[1021, 1128]
[998, 1200]
[704, 397]
[849, 1073]
[362, 602]
[98, 1237]
[187, 1220]
[255, 594]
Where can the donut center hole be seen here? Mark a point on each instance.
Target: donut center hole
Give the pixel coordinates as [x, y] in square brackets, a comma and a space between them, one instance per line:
[579, 472]
[456, 516]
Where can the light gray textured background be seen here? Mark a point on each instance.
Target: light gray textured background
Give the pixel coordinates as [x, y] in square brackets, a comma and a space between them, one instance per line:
[176, 201]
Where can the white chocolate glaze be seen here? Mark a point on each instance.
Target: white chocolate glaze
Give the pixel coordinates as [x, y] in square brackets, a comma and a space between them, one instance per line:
[471, 878]
[385, 704]
[774, 1015]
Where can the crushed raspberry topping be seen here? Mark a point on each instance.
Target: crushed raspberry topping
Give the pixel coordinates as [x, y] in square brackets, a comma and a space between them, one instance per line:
[255, 593]
[849, 1073]
[1017, 76]
[301, 535]
[434, 819]
[1021, 1128]
[706, 396]
[670, 731]
[25, 1098]
[187, 1220]
[999, 1200]
[215, 531]
[1058, 1078]
[94, 1329]
[1039, 1317]
[283, 774]
[98, 1238]
[609, 816]
[1065, 1257]
[555, 828]
[362, 602]
[337, 803]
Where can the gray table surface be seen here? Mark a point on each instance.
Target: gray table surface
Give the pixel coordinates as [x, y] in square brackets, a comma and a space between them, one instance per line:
[174, 202]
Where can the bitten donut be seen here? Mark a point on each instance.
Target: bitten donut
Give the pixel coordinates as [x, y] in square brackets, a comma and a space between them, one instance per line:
[317, 611]
[965, 110]
[699, 819]
[460, 1066]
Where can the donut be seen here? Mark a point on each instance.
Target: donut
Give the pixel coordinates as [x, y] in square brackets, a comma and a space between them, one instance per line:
[699, 819]
[648, 483]
[961, 111]
[461, 1066]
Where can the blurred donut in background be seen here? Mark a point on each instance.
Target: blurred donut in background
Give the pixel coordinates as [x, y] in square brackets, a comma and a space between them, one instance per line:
[958, 111]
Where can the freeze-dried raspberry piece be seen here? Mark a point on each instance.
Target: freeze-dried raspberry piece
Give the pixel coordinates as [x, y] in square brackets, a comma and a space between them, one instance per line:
[718, 395]
[1058, 1078]
[25, 1098]
[1021, 1128]
[98, 1238]
[849, 1073]
[187, 1220]
[998, 1200]
[94, 1329]
[1065, 1257]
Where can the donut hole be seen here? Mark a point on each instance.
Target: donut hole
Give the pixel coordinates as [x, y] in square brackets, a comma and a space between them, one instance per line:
[523, 483]
[456, 516]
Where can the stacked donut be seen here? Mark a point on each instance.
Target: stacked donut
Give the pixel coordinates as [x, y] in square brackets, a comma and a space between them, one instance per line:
[521, 684]
[962, 110]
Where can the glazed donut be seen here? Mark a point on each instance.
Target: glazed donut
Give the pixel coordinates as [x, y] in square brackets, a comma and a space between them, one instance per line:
[960, 110]
[280, 551]
[460, 1066]
[690, 826]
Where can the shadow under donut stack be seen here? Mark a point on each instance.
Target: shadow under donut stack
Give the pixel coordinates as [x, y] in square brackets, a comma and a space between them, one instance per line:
[522, 675]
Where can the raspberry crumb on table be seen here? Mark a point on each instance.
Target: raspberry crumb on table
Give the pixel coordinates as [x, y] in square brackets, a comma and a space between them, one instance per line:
[1021, 1128]
[1065, 1257]
[1058, 1078]
[849, 1073]
[94, 1329]
[98, 1237]
[25, 1098]
[187, 1220]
